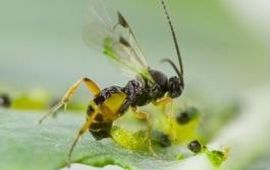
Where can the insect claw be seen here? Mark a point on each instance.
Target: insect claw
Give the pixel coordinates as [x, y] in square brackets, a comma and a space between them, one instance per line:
[52, 112]
[43, 118]
[68, 163]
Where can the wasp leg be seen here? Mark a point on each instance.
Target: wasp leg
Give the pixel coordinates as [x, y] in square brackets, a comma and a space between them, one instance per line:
[145, 117]
[86, 126]
[91, 86]
[164, 102]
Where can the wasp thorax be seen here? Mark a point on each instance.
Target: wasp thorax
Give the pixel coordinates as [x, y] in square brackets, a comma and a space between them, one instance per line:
[160, 78]
[175, 87]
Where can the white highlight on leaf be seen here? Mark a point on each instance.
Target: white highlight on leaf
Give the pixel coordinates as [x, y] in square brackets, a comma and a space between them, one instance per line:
[77, 166]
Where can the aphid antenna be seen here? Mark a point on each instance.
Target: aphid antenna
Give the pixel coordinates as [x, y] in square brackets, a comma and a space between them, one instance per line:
[181, 72]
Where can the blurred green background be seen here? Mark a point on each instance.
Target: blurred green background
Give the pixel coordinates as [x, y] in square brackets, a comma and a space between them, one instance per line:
[41, 45]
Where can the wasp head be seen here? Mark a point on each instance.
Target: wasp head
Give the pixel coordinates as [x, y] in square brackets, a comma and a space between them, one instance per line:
[175, 87]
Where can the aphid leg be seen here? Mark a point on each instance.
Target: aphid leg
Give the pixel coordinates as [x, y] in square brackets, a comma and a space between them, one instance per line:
[91, 86]
[145, 117]
[83, 129]
[164, 102]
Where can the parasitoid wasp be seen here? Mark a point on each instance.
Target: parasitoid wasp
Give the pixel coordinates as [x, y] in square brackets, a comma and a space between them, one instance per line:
[117, 41]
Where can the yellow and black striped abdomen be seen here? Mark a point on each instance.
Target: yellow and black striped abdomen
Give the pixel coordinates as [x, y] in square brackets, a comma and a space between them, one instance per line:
[104, 115]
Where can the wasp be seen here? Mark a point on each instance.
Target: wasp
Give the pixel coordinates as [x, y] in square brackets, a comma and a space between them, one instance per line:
[110, 32]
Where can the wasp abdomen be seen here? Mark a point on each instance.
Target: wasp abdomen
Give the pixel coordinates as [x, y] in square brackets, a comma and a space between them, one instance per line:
[100, 130]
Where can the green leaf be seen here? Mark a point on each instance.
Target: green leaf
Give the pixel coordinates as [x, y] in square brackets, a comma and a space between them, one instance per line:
[27, 145]
[24, 144]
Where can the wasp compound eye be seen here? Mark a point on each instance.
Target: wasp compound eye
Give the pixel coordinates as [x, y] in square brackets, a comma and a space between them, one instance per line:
[195, 146]
[5, 101]
[187, 115]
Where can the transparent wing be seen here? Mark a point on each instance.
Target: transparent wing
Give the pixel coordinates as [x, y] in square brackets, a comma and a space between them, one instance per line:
[109, 32]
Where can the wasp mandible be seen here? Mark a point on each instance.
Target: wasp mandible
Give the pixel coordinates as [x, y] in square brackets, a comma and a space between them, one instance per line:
[116, 40]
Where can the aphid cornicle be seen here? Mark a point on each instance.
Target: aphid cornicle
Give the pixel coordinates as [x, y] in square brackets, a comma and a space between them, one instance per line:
[116, 40]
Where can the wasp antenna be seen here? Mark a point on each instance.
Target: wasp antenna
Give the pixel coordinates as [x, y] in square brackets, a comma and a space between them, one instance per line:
[174, 38]
[166, 60]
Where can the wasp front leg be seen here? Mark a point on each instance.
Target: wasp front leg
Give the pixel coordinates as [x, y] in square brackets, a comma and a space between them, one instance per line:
[91, 86]
[145, 116]
[164, 102]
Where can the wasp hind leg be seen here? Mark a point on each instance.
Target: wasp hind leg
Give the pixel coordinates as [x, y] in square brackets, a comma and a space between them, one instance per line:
[145, 116]
[91, 86]
[91, 115]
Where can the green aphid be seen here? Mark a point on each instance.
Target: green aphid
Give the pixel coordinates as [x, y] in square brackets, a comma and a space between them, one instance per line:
[181, 128]
[217, 157]
[185, 125]
[130, 140]
[36, 99]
